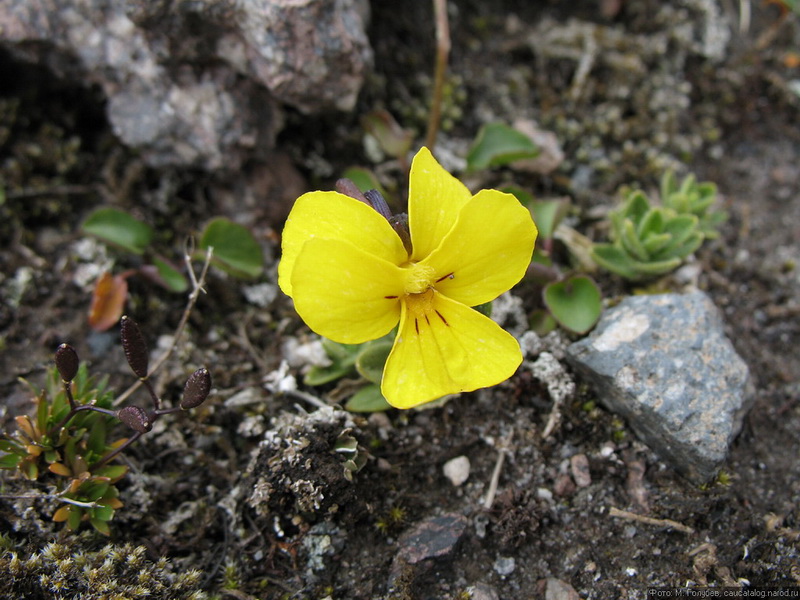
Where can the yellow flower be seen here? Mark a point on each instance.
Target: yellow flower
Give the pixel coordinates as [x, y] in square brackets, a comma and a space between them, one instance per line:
[352, 280]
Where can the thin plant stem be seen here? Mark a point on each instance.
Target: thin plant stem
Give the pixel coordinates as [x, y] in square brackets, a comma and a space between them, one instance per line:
[197, 287]
[76, 409]
[442, 53]
[68, 393]
[58, 497]
[115, 451]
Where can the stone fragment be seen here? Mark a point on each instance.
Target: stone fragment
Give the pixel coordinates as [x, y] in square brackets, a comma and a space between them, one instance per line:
[457, 470]
[482, 591]
[432, 538]
[663, 363]
[198, 83]
[505, 565]
[579, 467]
[556, 589]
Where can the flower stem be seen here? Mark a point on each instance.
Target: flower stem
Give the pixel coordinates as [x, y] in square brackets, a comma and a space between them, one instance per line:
[442, 52]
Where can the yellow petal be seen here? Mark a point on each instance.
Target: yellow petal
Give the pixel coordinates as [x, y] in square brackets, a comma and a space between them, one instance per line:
[434, 200]
[345, 293]
[331, 215]
[487, 251]
[443, 347]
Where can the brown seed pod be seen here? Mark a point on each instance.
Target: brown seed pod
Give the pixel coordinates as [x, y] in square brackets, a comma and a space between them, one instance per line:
[134, 346]
[135, 418]
[197, 388]
[67, 362]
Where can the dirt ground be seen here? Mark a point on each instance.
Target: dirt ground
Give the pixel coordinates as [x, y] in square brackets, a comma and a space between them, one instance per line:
[730, 116]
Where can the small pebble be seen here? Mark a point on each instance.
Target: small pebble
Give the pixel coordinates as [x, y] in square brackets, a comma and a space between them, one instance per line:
[559, 590]
[579, 466]
[505, 565]
[482, 591]
[457, 470]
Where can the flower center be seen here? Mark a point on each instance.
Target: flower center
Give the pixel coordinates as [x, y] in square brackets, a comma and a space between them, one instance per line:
[420, 304]
[419, 278]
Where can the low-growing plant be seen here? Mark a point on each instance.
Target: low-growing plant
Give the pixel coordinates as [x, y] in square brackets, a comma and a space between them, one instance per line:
[356, 360]
[570, 299]
[649, 240]
[693, 198]
[66, 444]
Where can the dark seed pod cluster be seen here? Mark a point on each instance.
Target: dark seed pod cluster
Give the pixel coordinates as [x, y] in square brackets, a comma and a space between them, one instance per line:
[134, 346]
[67, 362]
[196, 390]
[135, 418]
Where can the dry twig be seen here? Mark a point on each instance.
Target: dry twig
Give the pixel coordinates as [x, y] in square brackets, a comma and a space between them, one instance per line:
[498, 467]
[624, 514]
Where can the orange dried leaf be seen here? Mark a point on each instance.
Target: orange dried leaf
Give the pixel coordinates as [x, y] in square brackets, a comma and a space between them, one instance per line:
[60, 469]
[791, 60]
[108, 301]
[33, 450]
[25, 424]
[62, 514]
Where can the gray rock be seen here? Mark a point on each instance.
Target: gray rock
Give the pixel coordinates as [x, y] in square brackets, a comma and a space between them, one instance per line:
[198, 83]
[434, 537]
[556, 589]
[663, 363]
[482, 591]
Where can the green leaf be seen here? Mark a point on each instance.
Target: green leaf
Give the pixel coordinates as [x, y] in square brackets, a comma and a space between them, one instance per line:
[547, 214]
[524, 196]
[113, 472]
[119, 228]
[7, 445]
[542, 322]
[497, 145]
[10, 461]
[97, 438]
[235, 249]
[575, 302]
[636, 206]
[368, 399]
[322, 375]
[393, 139]
[631, 242]
[372, 359]
[681, 229]
[614, 259]
[29, 468]
[651, 223]
[669, 185]
[171, 277]
[692, 243]
[341, 352]
[654, 268]
[96, 491]
[101, 526]
[104, 513]
[485, 309]
[656, 242]
[364, 179]
[75, 516]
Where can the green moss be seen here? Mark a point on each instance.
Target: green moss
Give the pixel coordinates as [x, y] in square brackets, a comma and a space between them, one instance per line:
[118, 571]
